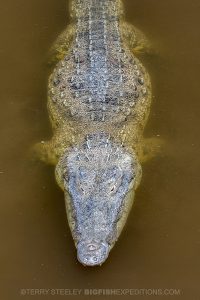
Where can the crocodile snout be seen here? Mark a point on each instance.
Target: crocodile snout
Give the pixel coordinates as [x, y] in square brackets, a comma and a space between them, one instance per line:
[92, 253]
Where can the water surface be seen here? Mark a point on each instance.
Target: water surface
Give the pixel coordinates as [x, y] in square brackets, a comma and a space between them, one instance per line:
[161, 243]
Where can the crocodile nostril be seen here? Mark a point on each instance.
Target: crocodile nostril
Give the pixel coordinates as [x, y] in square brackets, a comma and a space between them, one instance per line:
[91, 247]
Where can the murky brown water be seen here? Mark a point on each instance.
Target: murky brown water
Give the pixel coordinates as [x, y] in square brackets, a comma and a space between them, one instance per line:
[160, 246]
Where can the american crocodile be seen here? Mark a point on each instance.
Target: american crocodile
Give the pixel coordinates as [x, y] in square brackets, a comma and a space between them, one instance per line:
[99, 96]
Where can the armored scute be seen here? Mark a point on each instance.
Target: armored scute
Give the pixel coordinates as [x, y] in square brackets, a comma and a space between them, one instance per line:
[99, 98]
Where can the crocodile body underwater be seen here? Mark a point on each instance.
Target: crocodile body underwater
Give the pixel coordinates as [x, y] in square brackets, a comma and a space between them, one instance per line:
[99, 97]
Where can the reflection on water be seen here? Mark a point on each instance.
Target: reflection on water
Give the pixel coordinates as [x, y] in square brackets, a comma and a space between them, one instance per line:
[160, 246]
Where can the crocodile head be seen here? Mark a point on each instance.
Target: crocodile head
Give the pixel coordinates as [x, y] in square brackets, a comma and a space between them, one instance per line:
[98, 179]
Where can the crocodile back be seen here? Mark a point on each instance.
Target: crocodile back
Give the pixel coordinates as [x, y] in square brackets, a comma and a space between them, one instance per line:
[99, 80]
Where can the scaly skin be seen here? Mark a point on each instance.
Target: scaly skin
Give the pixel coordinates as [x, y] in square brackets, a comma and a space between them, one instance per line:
[99, 99]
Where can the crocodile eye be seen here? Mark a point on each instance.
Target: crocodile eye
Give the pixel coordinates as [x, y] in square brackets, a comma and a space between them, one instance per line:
[85, 180]
[113, 186]
[113, 180]
[83, 173]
